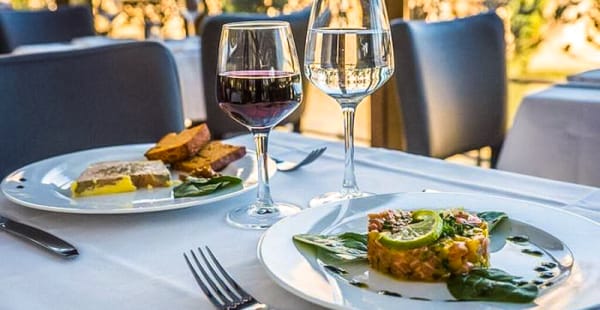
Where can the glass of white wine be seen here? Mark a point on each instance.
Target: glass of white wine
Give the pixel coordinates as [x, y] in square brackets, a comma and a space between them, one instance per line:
[348, 56]
[190, 10]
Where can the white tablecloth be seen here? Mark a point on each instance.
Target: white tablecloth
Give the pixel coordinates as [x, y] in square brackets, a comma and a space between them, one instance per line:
[187, 54]
[556, 134]
[135, 261]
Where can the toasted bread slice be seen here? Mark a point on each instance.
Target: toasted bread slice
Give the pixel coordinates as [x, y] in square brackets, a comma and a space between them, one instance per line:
[215, 154]
[120, 176]
[176, 147]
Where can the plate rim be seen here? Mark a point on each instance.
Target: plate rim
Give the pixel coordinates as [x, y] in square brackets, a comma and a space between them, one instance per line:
[193, 201]
[297, 292]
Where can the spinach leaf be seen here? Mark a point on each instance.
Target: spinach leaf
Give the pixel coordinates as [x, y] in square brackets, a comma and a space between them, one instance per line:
[491, 285]
[348, 246]
[493, 218]
[193, 187]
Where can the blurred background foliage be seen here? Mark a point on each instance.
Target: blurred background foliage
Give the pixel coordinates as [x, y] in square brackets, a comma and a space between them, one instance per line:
[568, 27]
[252, 6]
[546, 39]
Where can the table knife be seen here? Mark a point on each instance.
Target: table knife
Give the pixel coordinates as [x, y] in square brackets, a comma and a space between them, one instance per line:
[39, 237]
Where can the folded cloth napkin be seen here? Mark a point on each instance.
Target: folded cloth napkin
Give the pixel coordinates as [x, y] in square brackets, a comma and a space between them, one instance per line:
[591, 76]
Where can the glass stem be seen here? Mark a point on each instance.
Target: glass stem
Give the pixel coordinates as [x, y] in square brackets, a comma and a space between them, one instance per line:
[264, 202]
[191, 28]
[349, 185]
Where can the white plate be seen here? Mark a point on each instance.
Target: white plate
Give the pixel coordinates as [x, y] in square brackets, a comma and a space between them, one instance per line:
[300, 272]
[45, 185]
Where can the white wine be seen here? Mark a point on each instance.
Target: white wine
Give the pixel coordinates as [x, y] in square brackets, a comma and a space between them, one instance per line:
[348, 64]
[348, 56]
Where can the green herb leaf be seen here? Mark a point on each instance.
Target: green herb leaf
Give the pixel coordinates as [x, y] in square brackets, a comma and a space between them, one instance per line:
[450, 227]
[493, 218]
[193, 187]
[349, 246]
[490, 285]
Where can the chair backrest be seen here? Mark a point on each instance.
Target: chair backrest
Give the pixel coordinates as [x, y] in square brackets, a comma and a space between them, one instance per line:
[43, 26]
[53, 103]
[451, 83]
[219, 123]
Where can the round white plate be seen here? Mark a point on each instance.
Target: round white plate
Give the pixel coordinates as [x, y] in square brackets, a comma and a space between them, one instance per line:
[295, 267]
[45, 185]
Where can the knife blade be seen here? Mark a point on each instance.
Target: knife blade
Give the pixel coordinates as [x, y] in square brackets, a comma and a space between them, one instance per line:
[39, 237]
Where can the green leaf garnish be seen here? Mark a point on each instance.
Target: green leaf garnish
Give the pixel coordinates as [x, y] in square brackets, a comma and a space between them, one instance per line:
[493, 218]
[193, 187]
[491, 285]
[348, 246]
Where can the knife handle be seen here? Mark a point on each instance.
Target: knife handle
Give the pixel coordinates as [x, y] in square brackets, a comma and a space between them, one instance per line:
[41, 238]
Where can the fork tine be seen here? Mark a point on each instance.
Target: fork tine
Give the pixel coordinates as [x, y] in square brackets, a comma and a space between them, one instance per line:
[245, 296]
[320, 151]
[235, 296]
[203, 286]
[223, 297]
[309, 158]
[283, 165]
[313, 155]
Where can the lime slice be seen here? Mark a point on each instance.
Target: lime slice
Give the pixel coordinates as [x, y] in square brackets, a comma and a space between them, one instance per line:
[426, 229]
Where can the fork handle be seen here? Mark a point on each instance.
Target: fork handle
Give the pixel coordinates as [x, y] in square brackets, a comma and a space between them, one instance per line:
[257, 306]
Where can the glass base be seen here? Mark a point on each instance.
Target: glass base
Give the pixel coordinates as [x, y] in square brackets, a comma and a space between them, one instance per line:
[335, 196]
[259, 217]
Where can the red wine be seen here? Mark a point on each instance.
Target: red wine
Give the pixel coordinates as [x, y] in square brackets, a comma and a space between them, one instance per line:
[259, 99]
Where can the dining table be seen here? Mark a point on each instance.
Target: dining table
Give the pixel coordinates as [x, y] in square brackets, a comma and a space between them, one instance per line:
[556, 134]
[135, 261]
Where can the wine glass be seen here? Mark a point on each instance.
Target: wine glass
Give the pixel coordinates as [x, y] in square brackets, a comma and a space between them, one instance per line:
[348, 56]
[109, 9]
[190, 10]
[258, 85]
[153, 19]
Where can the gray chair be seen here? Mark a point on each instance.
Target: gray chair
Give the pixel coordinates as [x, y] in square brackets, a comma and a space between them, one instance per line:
[53, 103]
[43, 26]
[451, 84]
[219, 123]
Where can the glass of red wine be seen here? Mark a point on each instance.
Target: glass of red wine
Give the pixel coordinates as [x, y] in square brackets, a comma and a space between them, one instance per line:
[258, 85]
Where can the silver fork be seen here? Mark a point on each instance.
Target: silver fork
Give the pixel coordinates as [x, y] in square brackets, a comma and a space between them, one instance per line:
[218, 285]
[286, 166]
